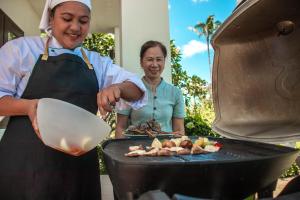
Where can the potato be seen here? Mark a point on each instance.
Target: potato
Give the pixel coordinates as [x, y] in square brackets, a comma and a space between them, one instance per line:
[186, 144]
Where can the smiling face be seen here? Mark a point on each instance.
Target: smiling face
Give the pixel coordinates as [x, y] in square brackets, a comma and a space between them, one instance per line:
[70, 23]
[153, 62]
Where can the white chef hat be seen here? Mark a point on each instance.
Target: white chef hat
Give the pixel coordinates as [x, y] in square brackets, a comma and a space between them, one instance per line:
[49, 5]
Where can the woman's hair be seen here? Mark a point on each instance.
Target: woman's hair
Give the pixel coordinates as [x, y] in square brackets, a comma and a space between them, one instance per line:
[150, 44]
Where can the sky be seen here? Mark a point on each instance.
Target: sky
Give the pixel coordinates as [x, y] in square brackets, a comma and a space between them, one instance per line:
[187, 13]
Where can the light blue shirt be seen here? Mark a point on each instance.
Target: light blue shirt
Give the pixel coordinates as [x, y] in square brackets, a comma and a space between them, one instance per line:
[163, 106]
[18, 57]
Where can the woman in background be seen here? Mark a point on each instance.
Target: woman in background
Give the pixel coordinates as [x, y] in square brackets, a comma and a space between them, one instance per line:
[165, 101]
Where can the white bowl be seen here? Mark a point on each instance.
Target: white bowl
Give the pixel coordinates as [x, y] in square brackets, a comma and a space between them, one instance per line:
[69, 128]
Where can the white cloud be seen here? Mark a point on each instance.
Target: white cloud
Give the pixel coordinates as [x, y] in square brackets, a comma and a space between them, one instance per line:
[169, 6]
[193, 47]
[199, 1]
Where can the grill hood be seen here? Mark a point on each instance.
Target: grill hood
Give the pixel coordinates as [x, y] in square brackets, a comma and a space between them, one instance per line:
[256, 72]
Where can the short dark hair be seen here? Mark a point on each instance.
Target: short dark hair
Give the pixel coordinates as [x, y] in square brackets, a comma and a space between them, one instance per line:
[150, 44]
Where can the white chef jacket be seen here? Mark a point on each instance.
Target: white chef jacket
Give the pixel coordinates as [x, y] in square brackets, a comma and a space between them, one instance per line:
[18, 57]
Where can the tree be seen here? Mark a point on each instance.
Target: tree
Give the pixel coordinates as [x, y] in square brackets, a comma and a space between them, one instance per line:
[195, 90]
[207, 29]
[179, 76]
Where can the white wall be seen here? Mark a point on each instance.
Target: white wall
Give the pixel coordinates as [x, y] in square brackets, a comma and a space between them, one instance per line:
[143, 20]
[22, 14]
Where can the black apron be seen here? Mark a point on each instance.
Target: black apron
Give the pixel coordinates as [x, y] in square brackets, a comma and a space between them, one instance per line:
[29, 170]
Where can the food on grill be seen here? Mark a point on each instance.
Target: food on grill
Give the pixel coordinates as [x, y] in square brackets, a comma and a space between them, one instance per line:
[152, 152]
[211, 148]
[175, 149]
[136, 153]
[184, 152]
[178, 146]
[196, 149]
[150, 128]
[186, 144]
[164, 152]
[168, 143]
[134, 148]
[199, 142]
[156, 143]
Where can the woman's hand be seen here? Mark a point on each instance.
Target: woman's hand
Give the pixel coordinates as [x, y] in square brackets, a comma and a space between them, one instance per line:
[10, 106]
[31, 112]
[107, 98]
[178, 126]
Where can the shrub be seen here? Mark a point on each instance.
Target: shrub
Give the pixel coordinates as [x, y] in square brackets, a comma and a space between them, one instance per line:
[195, 125]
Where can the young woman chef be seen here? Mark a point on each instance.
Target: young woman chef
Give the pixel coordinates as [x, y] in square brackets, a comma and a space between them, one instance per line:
[56, 67]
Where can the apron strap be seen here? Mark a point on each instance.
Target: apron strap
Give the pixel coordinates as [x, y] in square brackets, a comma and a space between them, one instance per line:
[46, 52]
[85, 58]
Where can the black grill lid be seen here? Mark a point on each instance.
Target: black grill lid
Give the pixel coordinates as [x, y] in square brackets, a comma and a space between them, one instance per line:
[256, 72]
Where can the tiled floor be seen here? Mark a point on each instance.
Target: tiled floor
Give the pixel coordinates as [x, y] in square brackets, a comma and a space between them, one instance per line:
[281, 184]
[106, 188]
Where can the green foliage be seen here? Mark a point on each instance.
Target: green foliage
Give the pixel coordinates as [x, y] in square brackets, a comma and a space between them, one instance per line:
[196, 94]
[102, 166]
[179, 76]
[207, 28]
[292, 171]
[195, 125]
[102, 43]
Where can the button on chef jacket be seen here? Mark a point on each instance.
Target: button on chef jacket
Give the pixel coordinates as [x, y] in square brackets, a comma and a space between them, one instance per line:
[18, 57]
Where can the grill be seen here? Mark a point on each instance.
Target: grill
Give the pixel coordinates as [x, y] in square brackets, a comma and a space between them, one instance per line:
[239, 169]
